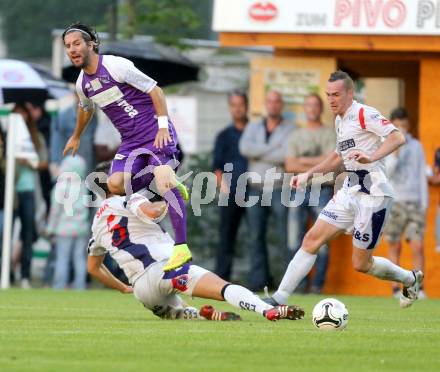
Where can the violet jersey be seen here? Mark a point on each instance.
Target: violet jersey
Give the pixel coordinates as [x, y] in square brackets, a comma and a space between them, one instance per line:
[121, 91]
[132, 240]
[362, 128]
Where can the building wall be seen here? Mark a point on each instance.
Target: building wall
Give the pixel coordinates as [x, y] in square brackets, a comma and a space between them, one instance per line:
[384, 94]
[261, 66]
[212, 116]
[222, 70]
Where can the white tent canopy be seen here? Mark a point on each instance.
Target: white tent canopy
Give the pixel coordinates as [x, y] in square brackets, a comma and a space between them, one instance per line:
[18, 74]
[19, 81]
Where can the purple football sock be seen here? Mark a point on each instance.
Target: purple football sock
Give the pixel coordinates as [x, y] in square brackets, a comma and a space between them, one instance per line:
[177, 212]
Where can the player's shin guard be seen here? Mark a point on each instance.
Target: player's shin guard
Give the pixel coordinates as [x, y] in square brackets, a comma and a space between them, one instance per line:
[243, 298]
[177, 212]
[298, 268]
[383, 268]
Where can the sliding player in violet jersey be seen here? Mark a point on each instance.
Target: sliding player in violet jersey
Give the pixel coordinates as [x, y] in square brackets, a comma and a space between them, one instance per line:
[137, 108]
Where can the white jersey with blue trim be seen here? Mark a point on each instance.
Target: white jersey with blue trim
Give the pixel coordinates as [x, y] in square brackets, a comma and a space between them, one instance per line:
[134, 243]
[363, 128]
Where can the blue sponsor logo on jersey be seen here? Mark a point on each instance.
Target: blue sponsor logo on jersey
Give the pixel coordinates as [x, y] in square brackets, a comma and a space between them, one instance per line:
[361, 237]
[347, 144]
[329, 214]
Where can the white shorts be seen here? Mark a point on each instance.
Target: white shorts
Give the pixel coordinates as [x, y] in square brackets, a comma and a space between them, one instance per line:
[360, 214]
[158, 290]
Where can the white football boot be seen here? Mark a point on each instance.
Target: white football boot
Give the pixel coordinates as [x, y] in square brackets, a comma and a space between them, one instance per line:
[411, 293]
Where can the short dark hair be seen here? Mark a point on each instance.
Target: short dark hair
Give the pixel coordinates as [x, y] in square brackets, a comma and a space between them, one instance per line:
[104, 167]
[88, 34]
[342, 75]
[239, 93]
[399, 113]
[317, 96]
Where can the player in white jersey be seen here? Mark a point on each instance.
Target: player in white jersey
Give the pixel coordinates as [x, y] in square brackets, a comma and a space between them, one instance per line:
[364, 138]
[127, 229]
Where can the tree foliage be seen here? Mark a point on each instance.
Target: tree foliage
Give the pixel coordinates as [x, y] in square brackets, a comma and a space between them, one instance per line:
[27, 24]
[168, 20]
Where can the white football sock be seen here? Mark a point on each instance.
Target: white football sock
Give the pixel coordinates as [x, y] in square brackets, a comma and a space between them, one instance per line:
[243, 298]
[383, 268]
[298, 268]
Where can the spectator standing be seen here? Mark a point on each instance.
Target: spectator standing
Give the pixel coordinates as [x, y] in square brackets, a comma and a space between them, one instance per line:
[264, 144]
[42, 120]
[69, 227]
[227, 158]
[307, 147]
[406, 169]
[2, 182]
[434, 179]
[61, 130]
[25, 186]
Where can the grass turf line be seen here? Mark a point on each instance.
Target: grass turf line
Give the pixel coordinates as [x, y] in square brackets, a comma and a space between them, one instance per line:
[101, 330]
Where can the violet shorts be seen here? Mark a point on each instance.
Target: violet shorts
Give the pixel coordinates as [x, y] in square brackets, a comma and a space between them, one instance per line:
[140, 162]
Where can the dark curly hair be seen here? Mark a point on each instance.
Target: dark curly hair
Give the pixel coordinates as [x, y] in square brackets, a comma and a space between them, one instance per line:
[88, 34]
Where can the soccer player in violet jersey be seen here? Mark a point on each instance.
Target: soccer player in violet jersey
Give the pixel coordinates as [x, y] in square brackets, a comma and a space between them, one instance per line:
[137, 108]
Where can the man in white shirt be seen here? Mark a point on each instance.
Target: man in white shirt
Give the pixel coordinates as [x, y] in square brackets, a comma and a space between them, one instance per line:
[127, 229]
[364, 138]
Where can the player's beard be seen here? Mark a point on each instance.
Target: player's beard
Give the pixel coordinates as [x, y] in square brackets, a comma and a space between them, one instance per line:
[86, 61]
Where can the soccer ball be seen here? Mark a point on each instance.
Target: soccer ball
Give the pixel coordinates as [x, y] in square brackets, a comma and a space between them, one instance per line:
[330, 314]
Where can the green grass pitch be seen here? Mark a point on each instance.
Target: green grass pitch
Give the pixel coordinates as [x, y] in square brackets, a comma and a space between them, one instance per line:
[101, 330]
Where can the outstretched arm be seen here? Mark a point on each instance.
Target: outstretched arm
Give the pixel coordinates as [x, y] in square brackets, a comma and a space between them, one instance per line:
[159, 102]
[392, 142]
[97, 269]
[145, 210]
[83, 118]
[332, 162]
[160, 105]
[151, 211]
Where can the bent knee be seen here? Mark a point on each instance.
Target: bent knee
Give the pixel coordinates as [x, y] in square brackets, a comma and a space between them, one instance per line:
[165, 178]
[116, 185]
[311, 242]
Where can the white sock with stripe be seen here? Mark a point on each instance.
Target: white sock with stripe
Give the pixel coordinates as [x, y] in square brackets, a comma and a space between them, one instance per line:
[243, 298]
[298, 268]
[383, 268]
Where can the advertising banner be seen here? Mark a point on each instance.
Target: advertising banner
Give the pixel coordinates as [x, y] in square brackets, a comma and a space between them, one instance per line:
[375, 17]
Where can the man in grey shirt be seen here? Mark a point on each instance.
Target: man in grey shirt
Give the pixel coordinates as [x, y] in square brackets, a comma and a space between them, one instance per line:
[264, 144]
[406, 169]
